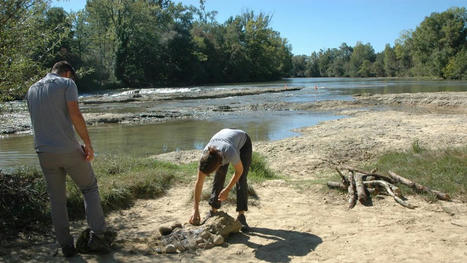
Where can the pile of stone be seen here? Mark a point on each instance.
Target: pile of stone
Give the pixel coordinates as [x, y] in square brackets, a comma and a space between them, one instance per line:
[176, 238]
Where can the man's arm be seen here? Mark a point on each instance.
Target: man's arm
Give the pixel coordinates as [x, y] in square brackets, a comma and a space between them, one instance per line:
[238, 172]
[195, 218]
[80, 127]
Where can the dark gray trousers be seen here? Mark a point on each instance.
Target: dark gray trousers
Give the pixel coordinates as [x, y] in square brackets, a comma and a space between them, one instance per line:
[241, 186]
[55, 166]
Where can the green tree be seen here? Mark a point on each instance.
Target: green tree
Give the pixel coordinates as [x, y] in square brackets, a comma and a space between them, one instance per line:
[22, 39]
[438, 38]
[360, 60]
[390, 61]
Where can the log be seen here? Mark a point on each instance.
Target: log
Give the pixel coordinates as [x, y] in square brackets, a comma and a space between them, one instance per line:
[351, 190]
[337, 185]
[387, 186]
[380, 176]
[418, 187]
[361, 193]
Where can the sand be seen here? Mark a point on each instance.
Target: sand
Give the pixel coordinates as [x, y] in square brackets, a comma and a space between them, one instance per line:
[295, 220]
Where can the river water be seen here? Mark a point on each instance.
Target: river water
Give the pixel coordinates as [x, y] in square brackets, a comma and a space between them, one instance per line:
[146, 140]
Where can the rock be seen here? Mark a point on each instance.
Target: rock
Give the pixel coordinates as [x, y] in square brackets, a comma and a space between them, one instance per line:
[187, 237]
[218, 240]
[223, 224]
[176, 225]
[205, 235]
[170, 249]
[165, 230]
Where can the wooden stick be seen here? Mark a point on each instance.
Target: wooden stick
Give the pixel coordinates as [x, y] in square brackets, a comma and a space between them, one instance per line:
[351, 190]
[344, 179]
[387, 186]
[337, 185]
[418, 187]
[394, 188]
[361, 193]
[380, 176]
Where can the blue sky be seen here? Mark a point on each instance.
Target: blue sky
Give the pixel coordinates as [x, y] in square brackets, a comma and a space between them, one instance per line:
[311, 25]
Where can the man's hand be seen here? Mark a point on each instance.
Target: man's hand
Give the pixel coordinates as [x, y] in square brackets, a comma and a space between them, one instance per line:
[224, 194]
[195, 219]
[88, 152]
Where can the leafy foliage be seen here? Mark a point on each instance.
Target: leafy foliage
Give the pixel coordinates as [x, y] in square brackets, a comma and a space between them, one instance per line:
[436, 48]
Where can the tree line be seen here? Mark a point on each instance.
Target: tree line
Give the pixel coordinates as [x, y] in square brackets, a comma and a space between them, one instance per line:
[136, 43]
[153, 43]
[436, 48]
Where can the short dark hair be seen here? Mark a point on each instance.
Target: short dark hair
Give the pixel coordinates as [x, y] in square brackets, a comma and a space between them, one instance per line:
[62, 67]
[210, 160]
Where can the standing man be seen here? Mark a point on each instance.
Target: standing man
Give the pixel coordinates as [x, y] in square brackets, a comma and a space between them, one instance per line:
[54, 110]
[228, 146]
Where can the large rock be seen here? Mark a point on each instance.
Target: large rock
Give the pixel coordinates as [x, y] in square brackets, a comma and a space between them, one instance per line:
[213, 233]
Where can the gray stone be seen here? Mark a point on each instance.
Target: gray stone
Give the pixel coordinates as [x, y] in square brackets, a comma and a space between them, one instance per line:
[218, 240]
[165, 230]
[170, 249]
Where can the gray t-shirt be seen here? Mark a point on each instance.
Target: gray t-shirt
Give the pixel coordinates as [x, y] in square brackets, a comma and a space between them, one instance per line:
[47, 103]
[228, 142]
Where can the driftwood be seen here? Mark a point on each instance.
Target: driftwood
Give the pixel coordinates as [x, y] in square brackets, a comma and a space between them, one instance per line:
[418, 187]
[359, 184]
[351, 189]
[389, 190]
[361, 192]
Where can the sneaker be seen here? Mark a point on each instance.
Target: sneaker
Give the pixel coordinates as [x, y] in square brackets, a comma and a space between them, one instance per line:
[208, 215]
[242, 219]
[69, 251]
[98, 243]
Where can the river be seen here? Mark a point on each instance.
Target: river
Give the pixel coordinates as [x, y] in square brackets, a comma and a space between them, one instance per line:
[174, 135]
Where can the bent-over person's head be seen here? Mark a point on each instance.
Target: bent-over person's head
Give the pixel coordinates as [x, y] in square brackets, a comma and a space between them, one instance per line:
[62, 67]
[210, 160]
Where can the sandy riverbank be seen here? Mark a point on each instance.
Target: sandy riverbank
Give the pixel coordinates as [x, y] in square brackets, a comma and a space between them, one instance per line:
[294, 220]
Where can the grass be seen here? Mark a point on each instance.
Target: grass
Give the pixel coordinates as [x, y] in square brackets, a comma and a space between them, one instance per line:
[122, 180]
[443, 170]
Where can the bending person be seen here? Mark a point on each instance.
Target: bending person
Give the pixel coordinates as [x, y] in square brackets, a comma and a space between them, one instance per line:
[228, 146]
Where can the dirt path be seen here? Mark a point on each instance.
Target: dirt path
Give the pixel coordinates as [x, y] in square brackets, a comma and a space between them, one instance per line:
[294, 219]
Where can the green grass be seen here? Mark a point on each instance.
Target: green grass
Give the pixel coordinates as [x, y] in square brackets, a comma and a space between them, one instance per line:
[122, 180]
[443, 170]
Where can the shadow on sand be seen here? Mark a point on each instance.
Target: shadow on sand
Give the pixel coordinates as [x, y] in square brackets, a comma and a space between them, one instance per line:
[282, 244]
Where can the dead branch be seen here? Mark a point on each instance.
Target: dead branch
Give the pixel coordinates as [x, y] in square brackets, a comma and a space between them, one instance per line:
[387, 186]
[351, 190]
[379, 176]
[343, 178]
[337, 185]
[418, 187]
[361, 193]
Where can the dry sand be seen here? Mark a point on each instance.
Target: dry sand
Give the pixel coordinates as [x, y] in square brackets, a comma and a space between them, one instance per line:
[295, 220]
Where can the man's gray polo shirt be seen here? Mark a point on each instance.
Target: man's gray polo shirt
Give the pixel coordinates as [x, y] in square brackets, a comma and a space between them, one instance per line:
[47, 103]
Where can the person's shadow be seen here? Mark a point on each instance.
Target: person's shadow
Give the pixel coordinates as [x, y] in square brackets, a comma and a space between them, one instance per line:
[282, 244]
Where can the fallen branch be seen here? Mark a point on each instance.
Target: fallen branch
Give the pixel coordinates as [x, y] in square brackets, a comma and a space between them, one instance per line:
[345, 181]
[337, 185]
[387, 186]
[361, 193]
[351, 189]
[379, 176]
[418, 187]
